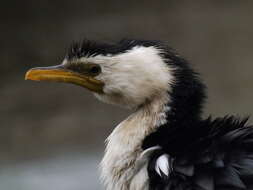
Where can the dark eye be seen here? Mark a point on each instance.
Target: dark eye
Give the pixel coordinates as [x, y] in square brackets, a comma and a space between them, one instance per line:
[95, 69]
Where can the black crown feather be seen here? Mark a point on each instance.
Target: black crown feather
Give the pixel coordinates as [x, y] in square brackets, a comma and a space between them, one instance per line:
[89, 48]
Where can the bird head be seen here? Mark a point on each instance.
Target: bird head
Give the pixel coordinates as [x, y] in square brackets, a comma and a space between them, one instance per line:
[128, 73]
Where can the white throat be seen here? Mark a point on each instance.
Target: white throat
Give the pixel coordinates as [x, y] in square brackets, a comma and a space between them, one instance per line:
[119, 167]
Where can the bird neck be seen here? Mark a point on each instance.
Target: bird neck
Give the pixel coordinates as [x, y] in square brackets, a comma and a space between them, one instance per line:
[186, 92]
[185, 105]
[124, 145]
[186, 97]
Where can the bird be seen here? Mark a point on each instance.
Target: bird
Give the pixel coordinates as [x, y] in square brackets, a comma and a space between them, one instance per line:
[165, 143]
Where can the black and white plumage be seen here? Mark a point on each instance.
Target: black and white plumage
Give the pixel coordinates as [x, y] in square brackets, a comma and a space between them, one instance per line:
[165, 144]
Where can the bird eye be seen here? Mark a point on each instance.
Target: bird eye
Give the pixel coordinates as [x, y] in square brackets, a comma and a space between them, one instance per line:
[95, 69]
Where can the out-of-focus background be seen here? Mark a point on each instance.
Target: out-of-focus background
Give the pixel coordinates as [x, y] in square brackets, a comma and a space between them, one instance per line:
[52, 135]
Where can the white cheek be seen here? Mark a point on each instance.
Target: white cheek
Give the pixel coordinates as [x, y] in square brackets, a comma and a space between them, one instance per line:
[133, 77]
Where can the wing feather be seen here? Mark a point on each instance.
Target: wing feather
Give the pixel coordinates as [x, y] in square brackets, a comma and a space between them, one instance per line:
[220, 158]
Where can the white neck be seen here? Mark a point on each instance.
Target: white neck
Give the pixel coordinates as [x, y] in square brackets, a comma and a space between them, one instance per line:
[124, 146]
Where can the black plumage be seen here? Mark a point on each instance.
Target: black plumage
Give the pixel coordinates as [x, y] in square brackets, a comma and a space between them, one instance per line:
[205, 154]
[208, 154]
[89, 48]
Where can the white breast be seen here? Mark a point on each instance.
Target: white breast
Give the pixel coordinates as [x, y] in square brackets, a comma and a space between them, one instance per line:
[119, 167]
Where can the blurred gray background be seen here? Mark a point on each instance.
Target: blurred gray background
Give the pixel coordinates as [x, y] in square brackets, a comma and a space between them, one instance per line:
[52, 135]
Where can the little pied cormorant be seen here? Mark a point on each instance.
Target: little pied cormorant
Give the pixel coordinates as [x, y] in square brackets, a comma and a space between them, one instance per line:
[165, 144]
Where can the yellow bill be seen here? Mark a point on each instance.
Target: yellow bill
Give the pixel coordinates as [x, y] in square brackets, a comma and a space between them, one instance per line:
[59, 74]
